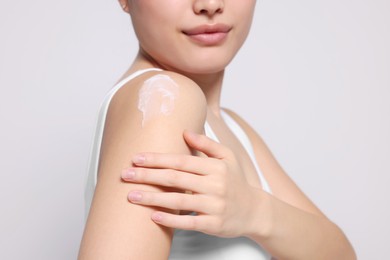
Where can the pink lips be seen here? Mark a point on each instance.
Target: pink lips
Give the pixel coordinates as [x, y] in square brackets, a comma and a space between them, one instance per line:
[208, 34]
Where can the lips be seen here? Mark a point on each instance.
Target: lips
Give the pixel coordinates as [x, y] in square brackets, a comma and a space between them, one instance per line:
[208, 34]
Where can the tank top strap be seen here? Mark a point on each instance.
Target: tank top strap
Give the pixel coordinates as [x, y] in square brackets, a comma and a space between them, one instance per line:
[247, 144]
[133, 76]
[210, 133]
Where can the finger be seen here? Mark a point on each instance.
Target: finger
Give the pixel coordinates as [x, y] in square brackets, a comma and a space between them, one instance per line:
[181, 162]
[171, 200]
[206, 145]
[201, 223]
[166, 178]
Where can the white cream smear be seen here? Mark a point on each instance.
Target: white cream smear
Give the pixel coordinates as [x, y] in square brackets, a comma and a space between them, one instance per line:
[157, 97]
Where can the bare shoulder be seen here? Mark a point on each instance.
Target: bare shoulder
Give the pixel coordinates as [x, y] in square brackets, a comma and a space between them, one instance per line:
[156, 97]
[148, 114]
[171, 85]
[153, 105]
[282, 186]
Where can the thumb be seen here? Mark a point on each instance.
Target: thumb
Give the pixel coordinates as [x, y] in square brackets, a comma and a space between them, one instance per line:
[205, 145]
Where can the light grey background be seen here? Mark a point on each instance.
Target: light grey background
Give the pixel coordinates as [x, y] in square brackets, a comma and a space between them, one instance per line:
[313, 79]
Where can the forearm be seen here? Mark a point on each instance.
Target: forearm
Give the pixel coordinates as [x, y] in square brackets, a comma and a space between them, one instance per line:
[291, 233]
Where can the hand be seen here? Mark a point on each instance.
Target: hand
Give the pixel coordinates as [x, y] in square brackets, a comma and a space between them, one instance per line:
[221, 196]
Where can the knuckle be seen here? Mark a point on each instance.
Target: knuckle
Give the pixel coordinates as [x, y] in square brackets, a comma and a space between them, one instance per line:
[220, 188]
[218, 225]
[173, 178]
[193, 223]
[221, 167]
[220, 206]
[179, 202]
[178, 163]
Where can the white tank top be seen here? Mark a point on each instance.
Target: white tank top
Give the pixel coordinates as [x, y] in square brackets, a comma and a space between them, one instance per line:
[186, 245]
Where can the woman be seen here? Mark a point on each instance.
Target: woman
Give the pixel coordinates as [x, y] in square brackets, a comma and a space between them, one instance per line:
[197, 181]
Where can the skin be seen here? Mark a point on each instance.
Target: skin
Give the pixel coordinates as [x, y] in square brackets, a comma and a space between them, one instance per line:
[223, 184]
[157, 96]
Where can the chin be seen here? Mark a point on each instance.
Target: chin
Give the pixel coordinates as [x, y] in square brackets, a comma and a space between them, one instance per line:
[200, 63]
[202, 66]
[204, 69]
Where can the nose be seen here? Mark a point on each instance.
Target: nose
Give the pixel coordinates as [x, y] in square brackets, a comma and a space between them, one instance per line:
[208, 7]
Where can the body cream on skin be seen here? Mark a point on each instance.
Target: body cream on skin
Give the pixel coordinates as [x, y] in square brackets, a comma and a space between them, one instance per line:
[157, 97]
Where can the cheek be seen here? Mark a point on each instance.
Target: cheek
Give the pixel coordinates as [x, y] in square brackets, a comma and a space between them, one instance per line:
[244, 25]
[156, 32]
[243, 10]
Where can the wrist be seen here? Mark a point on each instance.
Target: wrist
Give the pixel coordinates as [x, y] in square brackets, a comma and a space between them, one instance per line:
[261, 218]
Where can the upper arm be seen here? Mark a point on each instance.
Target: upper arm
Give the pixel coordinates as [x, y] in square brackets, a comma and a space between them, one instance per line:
[282, 186]
[117, 229]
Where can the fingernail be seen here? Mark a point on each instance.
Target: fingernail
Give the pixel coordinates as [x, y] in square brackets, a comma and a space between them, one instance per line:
[128, 174]
[156, 216]
[139, 159]
[135, 196]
